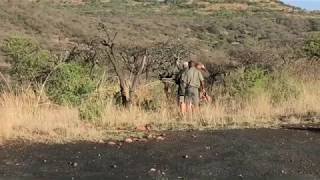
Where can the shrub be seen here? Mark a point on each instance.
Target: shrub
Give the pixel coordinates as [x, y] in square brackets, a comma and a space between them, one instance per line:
[312, 47]
[70, 84]
[246, 82]
[29, 63]
[315, 24]
[282, 88]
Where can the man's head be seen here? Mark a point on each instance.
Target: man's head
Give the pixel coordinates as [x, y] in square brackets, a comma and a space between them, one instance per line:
[192, 63]
[185, 65]
[200, 66]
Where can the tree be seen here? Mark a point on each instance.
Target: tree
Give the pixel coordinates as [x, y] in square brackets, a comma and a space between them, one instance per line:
[129, 64]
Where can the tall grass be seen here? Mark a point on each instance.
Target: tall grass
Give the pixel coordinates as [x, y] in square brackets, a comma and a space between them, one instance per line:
[22, 119]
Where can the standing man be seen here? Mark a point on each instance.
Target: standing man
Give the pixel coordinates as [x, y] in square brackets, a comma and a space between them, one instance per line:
[182, 87]
[194, 83]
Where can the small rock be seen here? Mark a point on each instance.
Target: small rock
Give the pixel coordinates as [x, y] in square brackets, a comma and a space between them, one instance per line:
[150, 136]
[186, 156]
[235, 43]
[152, 170]
[114, 166]
[44, 161]
[283, 172]
[73, 164]
[128, 140]
[101, 141]
[194, 136]
[111, 143]
[200, 156]
[119, 145]
[160, 138]
[208, 147]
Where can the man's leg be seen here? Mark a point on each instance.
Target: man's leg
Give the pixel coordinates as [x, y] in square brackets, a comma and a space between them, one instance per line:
[182, 104]
[195, 100]
[188, 100]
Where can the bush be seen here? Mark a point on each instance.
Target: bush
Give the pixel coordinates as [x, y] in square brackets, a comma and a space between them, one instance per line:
[312, 47]
[246, 82]
[29, 63]
[282, 88]
[70, 84]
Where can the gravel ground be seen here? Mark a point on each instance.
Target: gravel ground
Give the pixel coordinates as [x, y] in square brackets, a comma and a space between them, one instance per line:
[271, 154]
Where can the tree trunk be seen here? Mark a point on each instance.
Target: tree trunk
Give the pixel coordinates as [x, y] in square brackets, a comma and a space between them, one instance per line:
[125, 93]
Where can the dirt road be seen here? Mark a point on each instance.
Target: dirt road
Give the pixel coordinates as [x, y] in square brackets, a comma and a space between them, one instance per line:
[226, 155]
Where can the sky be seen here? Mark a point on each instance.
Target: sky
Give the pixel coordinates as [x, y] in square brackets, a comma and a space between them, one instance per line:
[305, 4]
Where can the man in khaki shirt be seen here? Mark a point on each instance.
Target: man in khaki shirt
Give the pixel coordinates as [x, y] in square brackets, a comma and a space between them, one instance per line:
[194, 82]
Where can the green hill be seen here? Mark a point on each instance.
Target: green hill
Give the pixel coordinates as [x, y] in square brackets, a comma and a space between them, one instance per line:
[213, 29]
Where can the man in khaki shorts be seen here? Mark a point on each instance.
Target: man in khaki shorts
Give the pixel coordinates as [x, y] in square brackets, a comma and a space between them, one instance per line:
[194, 83]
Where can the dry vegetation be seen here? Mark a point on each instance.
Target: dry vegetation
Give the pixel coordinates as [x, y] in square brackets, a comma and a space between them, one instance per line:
[227, 36]
[21, 118]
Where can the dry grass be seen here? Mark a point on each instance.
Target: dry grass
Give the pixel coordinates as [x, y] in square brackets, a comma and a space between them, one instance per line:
[22, 119]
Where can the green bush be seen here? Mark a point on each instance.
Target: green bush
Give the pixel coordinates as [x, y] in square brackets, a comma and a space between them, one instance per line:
[29, 63]
[246, 82]
[70, 84]
[312, 47]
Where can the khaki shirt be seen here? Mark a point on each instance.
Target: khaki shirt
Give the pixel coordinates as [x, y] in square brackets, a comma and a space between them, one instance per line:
[193, 77]
[181, 83]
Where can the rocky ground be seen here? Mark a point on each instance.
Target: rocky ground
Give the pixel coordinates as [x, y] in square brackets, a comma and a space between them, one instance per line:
[227, 154]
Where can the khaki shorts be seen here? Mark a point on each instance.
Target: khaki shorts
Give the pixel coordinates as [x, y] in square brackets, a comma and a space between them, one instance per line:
[192, 95]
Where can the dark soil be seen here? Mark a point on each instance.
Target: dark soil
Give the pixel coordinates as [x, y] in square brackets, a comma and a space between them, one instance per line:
[227, 155]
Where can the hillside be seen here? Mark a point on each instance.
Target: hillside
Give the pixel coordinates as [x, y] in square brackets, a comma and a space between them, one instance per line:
[208, 26]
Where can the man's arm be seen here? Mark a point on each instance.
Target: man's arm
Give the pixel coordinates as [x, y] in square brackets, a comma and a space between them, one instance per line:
[202, 85]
